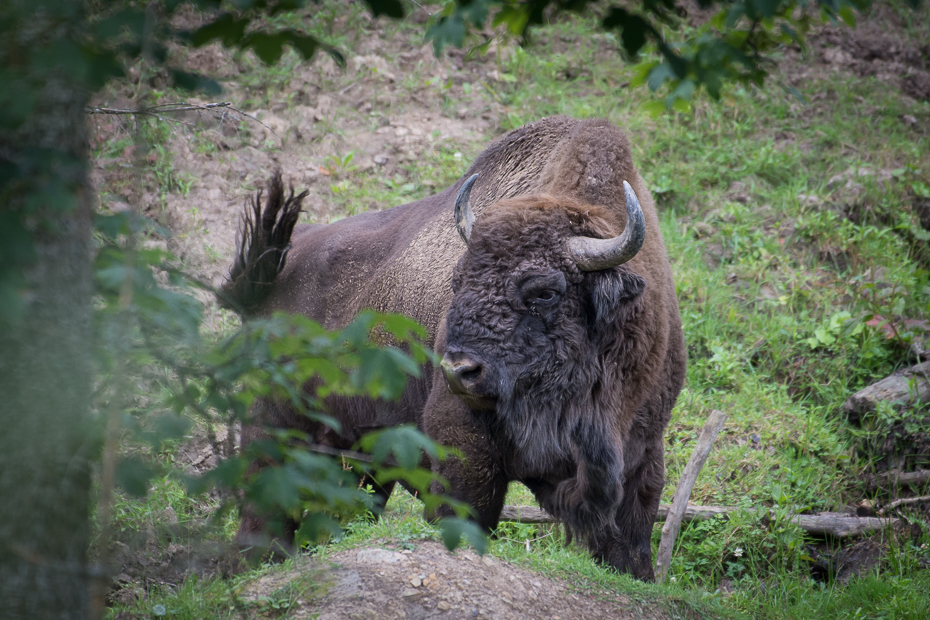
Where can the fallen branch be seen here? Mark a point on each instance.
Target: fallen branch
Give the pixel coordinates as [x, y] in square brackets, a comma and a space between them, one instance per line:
[683, 491]
[897, 478]
[835, 524]
[904, 501]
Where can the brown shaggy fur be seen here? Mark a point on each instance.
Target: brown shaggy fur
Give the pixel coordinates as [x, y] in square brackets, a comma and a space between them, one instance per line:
[581, 369]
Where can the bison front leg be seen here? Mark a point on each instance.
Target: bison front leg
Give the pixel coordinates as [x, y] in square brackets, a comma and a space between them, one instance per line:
[627, 547]
[478, 479]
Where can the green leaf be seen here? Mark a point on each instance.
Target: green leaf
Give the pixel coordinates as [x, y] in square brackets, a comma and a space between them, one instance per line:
[454, 529]
[166, 428]
[275, 487]
[134, 476]
[316, 527]
[660, 74]
[406, 443]
[756, 9]
[268, 47]
[391, 8]
[653, 108]
[447, 31]
[514, 17]
[195, 83]
[227, 28]
[846, 14]
[303, 43]
[227, 474]
[402, 327]
[116, 25]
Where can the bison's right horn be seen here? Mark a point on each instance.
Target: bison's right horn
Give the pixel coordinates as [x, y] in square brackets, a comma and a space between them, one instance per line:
[592, 254]
[464, 216]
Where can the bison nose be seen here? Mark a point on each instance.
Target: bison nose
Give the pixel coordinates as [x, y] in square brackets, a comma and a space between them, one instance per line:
[462, 372]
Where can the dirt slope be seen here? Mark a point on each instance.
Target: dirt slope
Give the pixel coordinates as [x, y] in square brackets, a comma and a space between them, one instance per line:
[429, 582]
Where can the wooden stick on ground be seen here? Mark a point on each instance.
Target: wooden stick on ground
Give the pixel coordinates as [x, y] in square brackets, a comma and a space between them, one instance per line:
[836, 524]
[904, 501]
[683, 491]
[897, 478]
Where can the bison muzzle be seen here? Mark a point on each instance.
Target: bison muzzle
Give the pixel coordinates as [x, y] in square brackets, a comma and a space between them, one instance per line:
[557, 322]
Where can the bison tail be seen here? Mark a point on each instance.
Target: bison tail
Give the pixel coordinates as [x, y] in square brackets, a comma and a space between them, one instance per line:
[263, 239]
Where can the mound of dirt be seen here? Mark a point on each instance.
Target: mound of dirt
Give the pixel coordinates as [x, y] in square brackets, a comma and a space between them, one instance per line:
[873, 50]
[429, 582]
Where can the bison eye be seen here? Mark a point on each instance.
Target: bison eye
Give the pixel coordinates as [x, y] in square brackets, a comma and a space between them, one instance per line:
[547, 295]
[542, 291]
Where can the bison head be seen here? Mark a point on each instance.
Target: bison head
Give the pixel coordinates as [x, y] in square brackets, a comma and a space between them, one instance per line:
[535, 325]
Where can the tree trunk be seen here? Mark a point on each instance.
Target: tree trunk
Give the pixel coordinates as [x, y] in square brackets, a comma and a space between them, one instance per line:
[46, 442]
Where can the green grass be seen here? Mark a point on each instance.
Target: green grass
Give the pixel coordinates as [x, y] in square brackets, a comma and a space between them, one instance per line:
[776, 280]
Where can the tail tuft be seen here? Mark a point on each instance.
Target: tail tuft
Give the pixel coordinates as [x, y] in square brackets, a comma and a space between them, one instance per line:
[264, 239]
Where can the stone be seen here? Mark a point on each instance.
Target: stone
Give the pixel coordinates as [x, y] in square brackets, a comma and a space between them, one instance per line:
[381, 556]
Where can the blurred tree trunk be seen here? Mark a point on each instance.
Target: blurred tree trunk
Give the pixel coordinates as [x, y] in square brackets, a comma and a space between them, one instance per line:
[46, 443]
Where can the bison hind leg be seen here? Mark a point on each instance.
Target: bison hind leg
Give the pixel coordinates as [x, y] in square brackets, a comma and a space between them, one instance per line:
[266, 539]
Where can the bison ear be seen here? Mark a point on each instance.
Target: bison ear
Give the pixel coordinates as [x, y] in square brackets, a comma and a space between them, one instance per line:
[609, 290]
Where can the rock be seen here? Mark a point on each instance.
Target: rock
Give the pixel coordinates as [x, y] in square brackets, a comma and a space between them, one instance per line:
[443, 606]
[408, 592]
[383, 556]
[738, 192]
[168, 516]
[902, 389]
[702, 230]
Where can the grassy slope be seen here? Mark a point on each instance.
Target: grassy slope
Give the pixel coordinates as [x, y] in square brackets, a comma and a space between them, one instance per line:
[765, 272]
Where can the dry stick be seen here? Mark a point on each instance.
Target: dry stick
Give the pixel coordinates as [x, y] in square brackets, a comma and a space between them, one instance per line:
[838, 525]
[904, 500]
[683, 492]
[164, 108]
[898, 478]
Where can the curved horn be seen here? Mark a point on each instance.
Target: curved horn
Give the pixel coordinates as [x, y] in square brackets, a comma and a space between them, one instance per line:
[592, 254]
[464, 216]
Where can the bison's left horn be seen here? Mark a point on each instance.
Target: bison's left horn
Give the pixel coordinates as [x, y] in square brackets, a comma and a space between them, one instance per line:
[464, 216]
[592, 254]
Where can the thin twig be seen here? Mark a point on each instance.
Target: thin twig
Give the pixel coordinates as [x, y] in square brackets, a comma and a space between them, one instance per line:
[162, 108]
[423, 8]
[348, 88]
[156, 111]
[904, 501]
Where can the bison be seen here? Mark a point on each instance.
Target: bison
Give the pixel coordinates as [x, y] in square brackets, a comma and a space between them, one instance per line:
[543, 282]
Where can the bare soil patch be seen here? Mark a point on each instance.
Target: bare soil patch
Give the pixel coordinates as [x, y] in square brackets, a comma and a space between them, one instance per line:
[423, 580]
[874, 49]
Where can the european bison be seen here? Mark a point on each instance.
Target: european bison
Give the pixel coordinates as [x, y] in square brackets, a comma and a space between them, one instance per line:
[561, 338]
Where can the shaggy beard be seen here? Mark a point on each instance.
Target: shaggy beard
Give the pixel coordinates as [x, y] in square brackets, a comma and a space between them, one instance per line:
[537, 419]
[537, 422]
